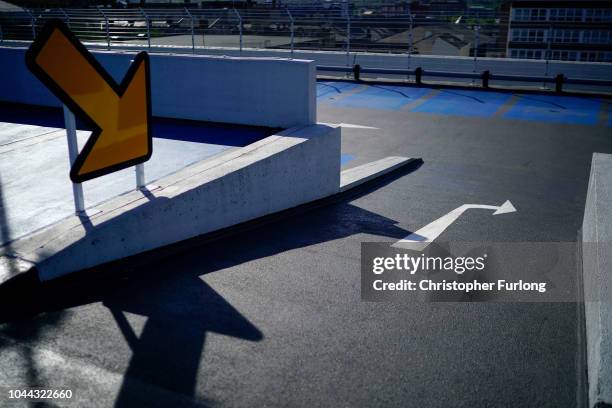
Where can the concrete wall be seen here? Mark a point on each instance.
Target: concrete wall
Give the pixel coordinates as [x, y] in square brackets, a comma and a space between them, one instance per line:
[279, 172]
[597, 277]
[251, 91]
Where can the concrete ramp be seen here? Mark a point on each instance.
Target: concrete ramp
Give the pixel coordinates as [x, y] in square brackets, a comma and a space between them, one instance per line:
[279, 172]
[294, 167]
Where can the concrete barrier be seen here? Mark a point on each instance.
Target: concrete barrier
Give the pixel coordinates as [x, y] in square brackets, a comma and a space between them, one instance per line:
[251, 91]
[294, 167]
[597, 278]
[500, 66]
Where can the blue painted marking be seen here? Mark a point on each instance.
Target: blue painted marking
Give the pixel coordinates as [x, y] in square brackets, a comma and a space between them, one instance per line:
[330, 91]
[210, 133]
[556, 109]
[382, 97]
[464, 103]
[345, 158]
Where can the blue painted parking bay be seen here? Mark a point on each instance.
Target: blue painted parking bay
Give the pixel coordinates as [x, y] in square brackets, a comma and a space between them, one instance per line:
[35, 190]
[333, 90]
[557, 109]
[464, 103]
[384, 97]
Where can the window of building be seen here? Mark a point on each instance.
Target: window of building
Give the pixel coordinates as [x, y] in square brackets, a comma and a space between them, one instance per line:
[519, 14]
[566, 36]
[596, 56]
[529, 14]
[564, 55]
[566, 14]
[533, 35]
[597, 37]
[599, 15]
[527, 53]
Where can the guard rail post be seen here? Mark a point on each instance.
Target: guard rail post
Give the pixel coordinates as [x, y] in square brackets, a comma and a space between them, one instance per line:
[66, 17]
[146, 17]
[476, 44]
[486, 75]
[292, 28]
[32, 23]
[548, 51]
[410, 38]
[348, 40]
[108, 39]
[192, 30]
[239, 26]
[357, 72]
[559, 83]
[418, 75]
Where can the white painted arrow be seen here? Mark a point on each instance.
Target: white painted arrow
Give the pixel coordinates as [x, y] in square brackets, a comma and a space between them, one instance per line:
[350, 125]
[420, 239]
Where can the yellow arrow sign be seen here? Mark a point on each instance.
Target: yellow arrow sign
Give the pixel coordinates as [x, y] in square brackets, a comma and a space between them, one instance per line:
[120, 115]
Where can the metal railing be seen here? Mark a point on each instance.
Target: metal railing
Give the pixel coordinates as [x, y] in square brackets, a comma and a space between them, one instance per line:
[403, 31]
[376, 41]
[468, 33]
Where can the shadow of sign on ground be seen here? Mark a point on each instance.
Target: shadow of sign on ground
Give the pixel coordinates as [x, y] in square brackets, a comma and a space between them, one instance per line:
[179, 307]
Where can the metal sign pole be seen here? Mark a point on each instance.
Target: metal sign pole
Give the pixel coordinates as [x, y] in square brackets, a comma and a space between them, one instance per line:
[73, 152]
[139, 168]
[140, 177]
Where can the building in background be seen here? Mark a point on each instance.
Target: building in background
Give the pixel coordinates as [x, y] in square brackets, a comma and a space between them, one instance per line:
[569, 30]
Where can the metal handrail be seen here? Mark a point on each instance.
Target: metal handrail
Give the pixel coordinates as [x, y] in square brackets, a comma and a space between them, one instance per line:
[324, 29]
[403, 34]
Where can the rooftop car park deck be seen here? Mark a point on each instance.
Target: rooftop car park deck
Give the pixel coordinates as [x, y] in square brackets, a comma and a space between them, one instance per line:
[272, 315]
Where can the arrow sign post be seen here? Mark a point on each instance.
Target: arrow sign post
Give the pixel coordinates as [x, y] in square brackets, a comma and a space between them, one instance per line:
[118, 114]
[73, 152]
[420, 239]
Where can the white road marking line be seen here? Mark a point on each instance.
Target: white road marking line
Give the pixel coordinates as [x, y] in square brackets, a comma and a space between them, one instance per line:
[350, 126]
[420, 239]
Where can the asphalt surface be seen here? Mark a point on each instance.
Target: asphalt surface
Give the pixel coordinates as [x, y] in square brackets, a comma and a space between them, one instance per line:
[272, 316]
